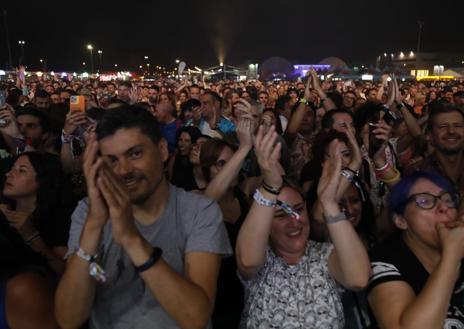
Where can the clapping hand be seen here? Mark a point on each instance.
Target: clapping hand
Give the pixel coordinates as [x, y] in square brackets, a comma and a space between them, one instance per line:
[268, 155]
[117, 197]
[330, 179]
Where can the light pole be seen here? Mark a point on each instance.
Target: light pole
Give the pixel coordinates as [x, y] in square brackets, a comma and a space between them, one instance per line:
[421, 24]
[44, 65]
[100, 52]
[21, 44]
[147, 64]
[90, 48]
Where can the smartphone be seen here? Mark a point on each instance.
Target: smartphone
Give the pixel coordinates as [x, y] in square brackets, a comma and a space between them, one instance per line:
[77, 103]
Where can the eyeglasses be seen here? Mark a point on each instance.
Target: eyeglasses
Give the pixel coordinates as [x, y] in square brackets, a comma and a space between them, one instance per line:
[429, 201]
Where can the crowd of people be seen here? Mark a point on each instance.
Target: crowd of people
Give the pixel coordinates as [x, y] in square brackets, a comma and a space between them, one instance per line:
[278, 204]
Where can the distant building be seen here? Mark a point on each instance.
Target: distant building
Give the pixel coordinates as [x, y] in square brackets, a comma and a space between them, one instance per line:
[426, 64]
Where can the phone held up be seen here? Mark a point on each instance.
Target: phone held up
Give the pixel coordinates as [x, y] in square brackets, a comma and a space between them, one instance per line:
[77, 103]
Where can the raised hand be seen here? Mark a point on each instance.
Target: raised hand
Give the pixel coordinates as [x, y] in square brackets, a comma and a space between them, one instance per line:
[307, 92]
[9, 125]
[330, 179]
[451, 237]
[356, 157]
[98, 208]
[119, 203]
[268, 155]
[398, 99]
[315, 80]
[245, 132]
[134, 94]
[73, 120]
[381, 132]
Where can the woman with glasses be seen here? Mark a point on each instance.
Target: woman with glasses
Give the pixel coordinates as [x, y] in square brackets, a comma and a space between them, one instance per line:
[417, 275]
[290, 281]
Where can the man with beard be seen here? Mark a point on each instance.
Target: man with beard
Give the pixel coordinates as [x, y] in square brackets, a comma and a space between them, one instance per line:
[159, 247]
[446, 134]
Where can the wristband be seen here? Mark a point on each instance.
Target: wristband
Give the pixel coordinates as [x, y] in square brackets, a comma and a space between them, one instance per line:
[262, 201]
[95, 271]
[334, 219]
[154, 258]
[65, 138]
[303, 101]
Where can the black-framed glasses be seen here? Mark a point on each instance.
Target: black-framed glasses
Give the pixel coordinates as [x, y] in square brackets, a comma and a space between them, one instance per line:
[427, 200]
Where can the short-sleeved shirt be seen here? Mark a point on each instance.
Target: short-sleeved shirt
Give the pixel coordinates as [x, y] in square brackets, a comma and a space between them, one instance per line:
[301, 296]
[190, 223]
[394, 261]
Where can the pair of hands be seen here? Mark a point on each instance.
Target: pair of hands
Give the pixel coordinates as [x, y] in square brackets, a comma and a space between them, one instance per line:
[315, 84]
[268, 155]
[394, 94]
[108, 196]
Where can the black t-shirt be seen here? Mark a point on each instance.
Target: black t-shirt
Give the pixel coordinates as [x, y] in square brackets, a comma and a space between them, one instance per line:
[394, 261]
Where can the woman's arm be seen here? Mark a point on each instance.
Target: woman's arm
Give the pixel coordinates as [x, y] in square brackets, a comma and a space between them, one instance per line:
[254, 234]
[348, 262]
[217, 188]
[396, 306]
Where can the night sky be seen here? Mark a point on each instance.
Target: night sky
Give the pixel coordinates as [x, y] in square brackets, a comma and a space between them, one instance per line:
[197, 31]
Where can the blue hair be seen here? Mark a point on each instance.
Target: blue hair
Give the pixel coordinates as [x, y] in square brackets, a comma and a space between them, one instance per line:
[400, 192]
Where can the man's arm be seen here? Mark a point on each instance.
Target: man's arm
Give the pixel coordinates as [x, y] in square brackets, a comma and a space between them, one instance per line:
[188, 299]
[76, 291]
[217, 188]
